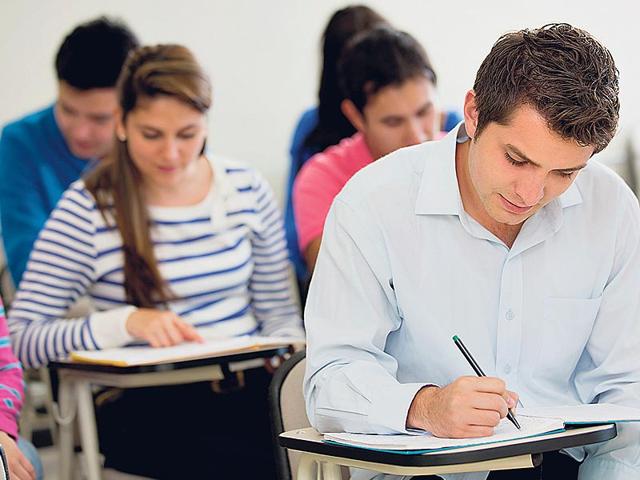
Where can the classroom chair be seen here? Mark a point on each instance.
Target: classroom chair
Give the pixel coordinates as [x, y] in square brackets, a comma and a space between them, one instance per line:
[288, 412]
[286, 404]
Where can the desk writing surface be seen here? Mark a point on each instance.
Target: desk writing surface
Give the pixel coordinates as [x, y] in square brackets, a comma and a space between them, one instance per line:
[308, 440]
[137, 355]
[267, 352]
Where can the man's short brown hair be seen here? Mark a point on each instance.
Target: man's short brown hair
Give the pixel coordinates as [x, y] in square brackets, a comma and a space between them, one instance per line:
[562, 72]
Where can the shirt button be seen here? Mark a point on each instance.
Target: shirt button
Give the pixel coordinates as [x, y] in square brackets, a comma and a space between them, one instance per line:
[509, 315]
[507, 369]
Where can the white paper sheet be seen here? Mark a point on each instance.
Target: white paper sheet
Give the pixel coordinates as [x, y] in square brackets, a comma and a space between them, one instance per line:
[504, 432]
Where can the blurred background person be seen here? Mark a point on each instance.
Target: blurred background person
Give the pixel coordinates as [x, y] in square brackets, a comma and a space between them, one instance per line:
[389, 90]
[325, 124]
[42, 153]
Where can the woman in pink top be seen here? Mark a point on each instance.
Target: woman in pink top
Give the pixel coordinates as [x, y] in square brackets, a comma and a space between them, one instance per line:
[389, 90]
[21, 455]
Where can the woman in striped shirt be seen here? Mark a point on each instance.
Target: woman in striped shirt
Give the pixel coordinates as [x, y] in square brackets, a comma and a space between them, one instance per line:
[170, 245]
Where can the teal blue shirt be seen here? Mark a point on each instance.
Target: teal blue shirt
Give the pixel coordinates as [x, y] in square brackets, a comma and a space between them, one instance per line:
[36, 167]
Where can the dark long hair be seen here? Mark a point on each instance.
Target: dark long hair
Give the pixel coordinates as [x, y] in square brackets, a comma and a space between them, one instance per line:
[162, 70]
[378, 58]
[332, 124]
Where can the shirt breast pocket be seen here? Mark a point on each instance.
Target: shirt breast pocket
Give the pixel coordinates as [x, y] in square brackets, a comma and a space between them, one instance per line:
[564, 333]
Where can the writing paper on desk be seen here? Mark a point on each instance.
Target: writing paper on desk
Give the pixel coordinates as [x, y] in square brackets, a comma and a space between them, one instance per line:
[586, 414]
[535, 422]
[135, 356]
[425, 442]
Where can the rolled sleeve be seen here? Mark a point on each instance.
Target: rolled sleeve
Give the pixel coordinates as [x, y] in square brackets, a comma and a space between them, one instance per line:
[110, 327]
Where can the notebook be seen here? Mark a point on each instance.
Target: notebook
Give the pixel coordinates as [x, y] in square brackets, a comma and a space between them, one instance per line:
[145, 355]
[534, 422]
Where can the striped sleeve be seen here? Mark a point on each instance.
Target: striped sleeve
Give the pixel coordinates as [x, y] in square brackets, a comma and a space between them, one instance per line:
[61, 269]
[270, 284]
[11, 383]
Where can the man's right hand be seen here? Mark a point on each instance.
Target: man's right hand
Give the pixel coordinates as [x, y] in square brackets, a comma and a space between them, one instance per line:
[160, 328]
[468, 407]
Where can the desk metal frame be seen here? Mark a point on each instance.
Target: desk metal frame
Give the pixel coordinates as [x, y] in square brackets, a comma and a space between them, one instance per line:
[75, 398]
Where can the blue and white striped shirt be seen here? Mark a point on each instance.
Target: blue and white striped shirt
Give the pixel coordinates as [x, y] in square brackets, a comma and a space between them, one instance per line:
[224, 259]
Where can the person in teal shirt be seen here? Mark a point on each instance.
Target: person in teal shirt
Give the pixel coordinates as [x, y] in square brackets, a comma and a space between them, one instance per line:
[42, 153]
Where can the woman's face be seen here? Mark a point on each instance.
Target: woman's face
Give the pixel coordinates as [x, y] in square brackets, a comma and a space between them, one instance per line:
[165, 137]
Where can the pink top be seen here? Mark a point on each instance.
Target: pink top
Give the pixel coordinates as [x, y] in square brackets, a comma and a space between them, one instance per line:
[320, 180]
[11, 383]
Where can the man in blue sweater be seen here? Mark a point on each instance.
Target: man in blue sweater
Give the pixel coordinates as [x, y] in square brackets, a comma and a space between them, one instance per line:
[45, 151]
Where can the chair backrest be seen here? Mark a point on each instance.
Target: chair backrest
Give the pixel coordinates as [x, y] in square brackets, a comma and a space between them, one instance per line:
[287, 409]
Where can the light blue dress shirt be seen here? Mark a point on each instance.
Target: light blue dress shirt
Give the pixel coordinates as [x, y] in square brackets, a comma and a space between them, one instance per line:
[403, 268]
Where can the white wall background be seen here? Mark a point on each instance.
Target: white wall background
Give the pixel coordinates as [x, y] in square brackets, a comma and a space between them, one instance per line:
[263, 55]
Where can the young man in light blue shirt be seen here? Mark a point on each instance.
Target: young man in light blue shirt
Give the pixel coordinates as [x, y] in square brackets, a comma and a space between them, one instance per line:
[504, 234]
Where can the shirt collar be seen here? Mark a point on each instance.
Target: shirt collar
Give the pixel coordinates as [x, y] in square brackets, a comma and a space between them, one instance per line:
[439, 193]
[571, 197]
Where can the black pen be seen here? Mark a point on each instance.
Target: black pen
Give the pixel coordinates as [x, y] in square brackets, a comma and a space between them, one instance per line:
[480, 373]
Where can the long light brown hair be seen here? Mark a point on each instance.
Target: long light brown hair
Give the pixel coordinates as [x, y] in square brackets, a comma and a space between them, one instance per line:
[161, 70]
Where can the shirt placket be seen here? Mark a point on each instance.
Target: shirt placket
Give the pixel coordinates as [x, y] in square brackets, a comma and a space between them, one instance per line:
[509, 324]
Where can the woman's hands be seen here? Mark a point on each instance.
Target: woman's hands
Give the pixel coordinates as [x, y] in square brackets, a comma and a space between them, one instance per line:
[160, 328]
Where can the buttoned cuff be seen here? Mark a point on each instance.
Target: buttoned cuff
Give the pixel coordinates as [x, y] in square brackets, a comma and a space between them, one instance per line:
[109, 328]
[391, 406]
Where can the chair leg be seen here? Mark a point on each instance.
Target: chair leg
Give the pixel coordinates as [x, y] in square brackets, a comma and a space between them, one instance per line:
[53, 427]
[330, 471]
[28, 416]
[306, 468]
[310, 469]
[64, 413]
[88, 432]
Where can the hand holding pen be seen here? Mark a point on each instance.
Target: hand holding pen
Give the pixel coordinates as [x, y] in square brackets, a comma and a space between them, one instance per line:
[470, 406]
[480, 373]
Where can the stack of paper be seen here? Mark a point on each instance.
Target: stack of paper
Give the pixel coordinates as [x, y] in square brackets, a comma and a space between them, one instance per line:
[534, 422]
[504, 432]
[133, 356]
